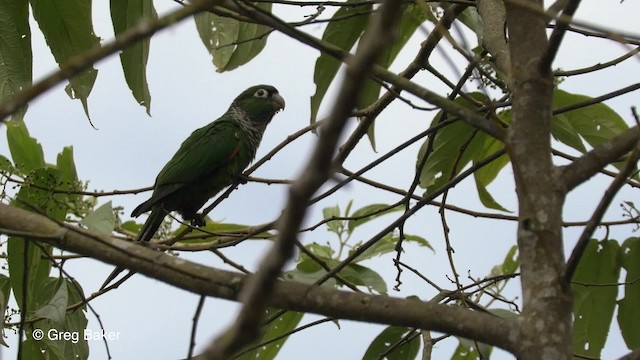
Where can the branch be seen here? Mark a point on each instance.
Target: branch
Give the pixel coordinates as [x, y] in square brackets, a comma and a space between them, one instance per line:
[289, 295]
[592, 162]
[558, 34]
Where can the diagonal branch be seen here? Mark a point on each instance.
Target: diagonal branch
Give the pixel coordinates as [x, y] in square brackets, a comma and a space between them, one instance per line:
[595, 160]
[558, 34]
[289, 295]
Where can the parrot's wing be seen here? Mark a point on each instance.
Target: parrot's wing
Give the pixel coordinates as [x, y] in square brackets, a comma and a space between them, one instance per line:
[205, 152]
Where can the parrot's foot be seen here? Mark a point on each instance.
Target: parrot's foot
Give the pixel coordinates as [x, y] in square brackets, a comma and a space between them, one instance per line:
[240, 178]
[198, 220]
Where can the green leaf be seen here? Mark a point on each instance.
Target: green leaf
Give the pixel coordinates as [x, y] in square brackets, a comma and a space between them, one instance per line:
[329, 213]
[5, 289]
[445, 160]
[124, 15]
[363, 276]
[410, 20]
[218, 33]
[594, 302]
[466, 350]
[6, 165]
[473, 21]
[102, 220]
[388, 338]
[485, 175]
[562, 131]
[511, 261]
[56, 309]
[131, 226]
[308, 272]
[388, 244]
[15, 52]
[504, 313]
[282, 325]
[628, 309]
[454, 147]
[216, 228]
[230, 42]
[26, 152]
[31, 349]
[76, 321]
[344, 29]
[595, 123]
[67, 28]
[370, 212]
[322, 251]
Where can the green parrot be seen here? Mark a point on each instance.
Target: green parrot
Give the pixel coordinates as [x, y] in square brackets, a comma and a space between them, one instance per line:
[208, 161]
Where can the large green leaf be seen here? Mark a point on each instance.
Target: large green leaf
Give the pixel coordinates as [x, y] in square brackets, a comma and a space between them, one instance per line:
[466, 350]
[101, 220]
[595, 123]
[53, 298]
[15, 51]
[485, 175]
[344, 29]
[388, 244]
[380, 347]
[5, 290]
[124, 15]
[370, 212]
[26, 152]
[230, 42]
[282, 325]
[56, 308]
[454, 147]
[68, 30]
[628, 307]
[308, 270]
[594, 298]
[214, 228]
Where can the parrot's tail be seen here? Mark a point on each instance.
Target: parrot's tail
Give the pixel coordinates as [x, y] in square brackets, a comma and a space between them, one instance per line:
[146, 233]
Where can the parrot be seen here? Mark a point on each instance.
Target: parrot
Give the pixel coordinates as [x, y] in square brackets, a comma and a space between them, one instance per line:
[209, 160]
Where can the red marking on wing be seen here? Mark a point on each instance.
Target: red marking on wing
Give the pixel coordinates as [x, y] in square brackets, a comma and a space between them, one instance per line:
[234, 153]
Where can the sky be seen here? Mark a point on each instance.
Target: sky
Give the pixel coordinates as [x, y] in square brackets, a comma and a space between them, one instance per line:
[127, 149]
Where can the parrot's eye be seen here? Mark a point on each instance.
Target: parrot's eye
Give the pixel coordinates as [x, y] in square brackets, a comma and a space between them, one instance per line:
[261, 93]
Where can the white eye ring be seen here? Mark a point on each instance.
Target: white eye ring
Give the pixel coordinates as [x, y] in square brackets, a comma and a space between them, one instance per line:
[261, 93]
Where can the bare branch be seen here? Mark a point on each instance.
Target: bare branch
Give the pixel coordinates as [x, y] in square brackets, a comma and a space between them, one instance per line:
[558, 34]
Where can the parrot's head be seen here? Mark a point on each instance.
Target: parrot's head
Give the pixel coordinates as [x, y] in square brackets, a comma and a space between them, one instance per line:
[260, 102]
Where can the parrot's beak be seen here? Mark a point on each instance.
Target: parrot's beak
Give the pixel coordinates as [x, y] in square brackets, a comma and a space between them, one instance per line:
[278, 101]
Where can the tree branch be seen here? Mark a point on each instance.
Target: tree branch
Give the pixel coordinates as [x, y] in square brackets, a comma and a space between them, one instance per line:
[289, 295]
[592, 162]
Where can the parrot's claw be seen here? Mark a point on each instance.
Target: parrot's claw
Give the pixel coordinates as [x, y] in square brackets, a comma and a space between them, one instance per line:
[241, 178]
[198, 221]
